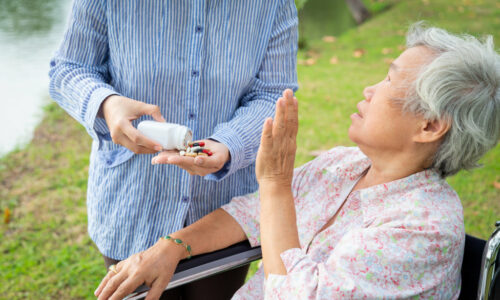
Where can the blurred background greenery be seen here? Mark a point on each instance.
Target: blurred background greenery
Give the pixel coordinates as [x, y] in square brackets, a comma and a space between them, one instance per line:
[45, 250]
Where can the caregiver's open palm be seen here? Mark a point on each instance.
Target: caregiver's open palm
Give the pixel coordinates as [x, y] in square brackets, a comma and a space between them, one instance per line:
[276, 155]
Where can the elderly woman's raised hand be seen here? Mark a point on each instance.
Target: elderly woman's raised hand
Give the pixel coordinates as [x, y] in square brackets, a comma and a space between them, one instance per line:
[276, 155]
[153, 267]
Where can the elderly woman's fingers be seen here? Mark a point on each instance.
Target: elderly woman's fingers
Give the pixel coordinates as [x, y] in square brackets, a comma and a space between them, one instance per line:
[288, 93]
[291, 114]
[113, 283]
[295, 112]
[125, 288]
[266, 140]
[279, 118]
[103, 283]
[157, 289]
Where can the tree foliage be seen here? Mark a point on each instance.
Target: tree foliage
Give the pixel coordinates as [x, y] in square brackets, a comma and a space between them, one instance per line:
[300, 3]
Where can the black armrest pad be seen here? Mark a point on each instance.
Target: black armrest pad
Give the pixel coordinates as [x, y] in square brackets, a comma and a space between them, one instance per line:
[212, 256]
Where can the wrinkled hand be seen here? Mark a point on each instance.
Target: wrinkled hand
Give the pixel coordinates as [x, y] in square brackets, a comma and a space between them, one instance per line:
[153, 267]
[118, 112]
[200, 165]
[276, 155]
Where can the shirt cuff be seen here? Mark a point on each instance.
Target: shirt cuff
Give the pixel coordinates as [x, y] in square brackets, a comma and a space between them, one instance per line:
[272, 284]
[234, 144]
[97, 127]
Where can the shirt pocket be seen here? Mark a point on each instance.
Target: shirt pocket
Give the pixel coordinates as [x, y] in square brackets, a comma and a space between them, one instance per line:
[110, 155]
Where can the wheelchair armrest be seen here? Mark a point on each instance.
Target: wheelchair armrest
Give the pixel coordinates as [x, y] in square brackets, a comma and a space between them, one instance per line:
[488, 287]
[205, 265]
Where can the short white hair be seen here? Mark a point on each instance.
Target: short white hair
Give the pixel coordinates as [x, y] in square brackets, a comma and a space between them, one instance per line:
[461, 85]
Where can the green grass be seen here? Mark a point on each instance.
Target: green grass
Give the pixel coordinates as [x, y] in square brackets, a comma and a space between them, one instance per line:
[45, 250]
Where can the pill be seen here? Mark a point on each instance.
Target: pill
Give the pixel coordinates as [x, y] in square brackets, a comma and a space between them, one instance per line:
[196, 144]
[182, 153]
[202, 154]
[191, 154]
[196, 148]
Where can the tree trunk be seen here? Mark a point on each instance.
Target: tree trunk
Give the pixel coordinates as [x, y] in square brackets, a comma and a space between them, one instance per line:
[358, 10]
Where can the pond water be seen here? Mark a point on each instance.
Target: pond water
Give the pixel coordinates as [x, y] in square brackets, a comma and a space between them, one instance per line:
[30, 31]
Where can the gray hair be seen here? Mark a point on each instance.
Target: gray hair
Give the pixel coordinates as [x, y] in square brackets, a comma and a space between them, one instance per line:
[461, 85]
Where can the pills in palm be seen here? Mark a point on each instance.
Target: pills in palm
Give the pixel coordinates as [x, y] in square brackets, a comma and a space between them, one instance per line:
[196, 149]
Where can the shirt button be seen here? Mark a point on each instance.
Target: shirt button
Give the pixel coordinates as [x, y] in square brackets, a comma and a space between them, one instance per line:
[199, 29]
[185, 199]
[192, 116]
[195, 73]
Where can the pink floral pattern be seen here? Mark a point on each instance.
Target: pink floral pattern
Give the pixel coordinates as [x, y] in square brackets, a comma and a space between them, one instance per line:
[400, 239]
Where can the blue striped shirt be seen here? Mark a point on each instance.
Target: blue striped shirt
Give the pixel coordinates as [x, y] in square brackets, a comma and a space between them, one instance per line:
[217, 67]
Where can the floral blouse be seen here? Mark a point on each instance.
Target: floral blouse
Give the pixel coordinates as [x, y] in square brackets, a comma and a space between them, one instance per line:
[402, 239]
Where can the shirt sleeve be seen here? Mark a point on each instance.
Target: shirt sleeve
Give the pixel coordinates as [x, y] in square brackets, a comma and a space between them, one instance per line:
[371, 263]
[79, 79]
[277, 72]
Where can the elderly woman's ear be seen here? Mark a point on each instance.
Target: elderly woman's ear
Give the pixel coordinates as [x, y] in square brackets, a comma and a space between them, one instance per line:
[432, 131]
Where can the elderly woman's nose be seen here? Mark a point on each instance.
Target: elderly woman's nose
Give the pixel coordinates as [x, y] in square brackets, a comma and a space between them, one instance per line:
[368, 92]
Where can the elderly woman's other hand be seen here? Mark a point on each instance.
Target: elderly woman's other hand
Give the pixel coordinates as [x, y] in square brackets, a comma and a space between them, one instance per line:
[153, 267]
[276, 155]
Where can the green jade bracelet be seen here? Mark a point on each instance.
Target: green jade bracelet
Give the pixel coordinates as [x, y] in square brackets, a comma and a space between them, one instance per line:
[180, 243]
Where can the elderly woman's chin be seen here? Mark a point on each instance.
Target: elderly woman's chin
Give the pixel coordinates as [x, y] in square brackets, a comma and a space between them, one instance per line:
[358, 134]
[352, 133]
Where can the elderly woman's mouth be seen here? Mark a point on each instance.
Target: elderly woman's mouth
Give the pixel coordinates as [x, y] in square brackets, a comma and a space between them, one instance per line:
[357, 115]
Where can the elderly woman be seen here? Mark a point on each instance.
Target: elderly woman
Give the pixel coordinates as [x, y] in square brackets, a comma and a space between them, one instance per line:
[373, 221]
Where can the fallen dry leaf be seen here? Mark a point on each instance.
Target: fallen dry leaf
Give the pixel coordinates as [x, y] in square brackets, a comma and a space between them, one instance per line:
[301, 62]
[386, 50]
[313, 54]
[358, 52]
[334, 60]
[329, 39]
[6, 215]
[388, 60]
[401, 47]
[496, 184]
[310, 61]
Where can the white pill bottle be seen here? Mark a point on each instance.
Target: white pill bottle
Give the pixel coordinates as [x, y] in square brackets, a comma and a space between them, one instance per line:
[170, 136]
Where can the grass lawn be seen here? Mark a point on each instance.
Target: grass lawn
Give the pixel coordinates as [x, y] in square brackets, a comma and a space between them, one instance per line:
[45, 250]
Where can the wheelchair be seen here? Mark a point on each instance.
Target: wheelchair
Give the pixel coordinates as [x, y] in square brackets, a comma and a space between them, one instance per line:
[480, 267]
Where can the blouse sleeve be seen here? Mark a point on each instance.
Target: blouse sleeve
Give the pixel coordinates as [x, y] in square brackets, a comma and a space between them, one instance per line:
[373, 263]
[246, 209]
